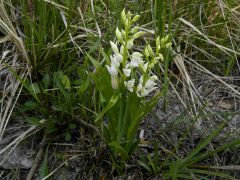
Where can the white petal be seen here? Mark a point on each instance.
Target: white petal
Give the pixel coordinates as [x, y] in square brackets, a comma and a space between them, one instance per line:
[152, 89]
[133, 63]
[114, 62]
[150, 84]
[118, 57]
[112, 70]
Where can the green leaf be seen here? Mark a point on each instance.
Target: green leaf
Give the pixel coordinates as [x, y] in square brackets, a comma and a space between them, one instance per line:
[72, 126]
[34, 88]
[145, 166]
[61, 80]
[44, 168]
[119, 149]
[105, 55]
[194, 152]
[133, 147]
[34, 121]
[67, 136]
[46, 81]
[94, 62]
[111, 103]
[152, 164]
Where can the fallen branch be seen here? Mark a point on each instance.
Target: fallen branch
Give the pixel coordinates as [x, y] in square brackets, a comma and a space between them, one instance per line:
[38, 158]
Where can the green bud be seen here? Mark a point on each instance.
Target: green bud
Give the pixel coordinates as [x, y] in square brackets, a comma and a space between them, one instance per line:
[138, 34]
[150, 51]
[135, 29]
[151, 65]
[123, 16]
[118, 34]
[129, 15]
[166, 38]
[160, 56]
[130, 44]
[146, 52]
[169, 45]
[135, 19]
[123, 33]
[157, 41]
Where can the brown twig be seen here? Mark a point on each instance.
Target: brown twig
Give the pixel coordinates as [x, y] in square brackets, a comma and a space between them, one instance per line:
[86, 124]
[38, 158]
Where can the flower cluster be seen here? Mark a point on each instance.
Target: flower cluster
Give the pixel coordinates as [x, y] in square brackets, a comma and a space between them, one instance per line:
[132, 68]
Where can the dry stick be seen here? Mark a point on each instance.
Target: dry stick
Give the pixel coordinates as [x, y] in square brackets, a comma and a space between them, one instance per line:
[86, 124]
[38, 158]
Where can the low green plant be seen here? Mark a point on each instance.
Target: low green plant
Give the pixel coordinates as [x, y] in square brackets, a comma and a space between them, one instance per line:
[56, 98]
[128, 88]
[178, 166]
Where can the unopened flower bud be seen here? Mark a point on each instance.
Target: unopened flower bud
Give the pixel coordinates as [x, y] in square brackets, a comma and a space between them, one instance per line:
[114, 47]
[129, 15]
[146, 52]
[122, 50]
[118, 34]
[168, 45]
[123, 16]
[138, 34]
[123, 33]
[135, 29]
[150, 51]
[158, 41]
[145, 66]
[135, 19]
[130, 44]
[160, 56]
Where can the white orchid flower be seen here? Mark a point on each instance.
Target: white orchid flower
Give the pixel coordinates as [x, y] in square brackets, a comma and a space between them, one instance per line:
[112, 70]
[136, 60]
[136, 55]
[150, 84]
[130, 84]
[118, 57]
[127, 72]
[114, 62]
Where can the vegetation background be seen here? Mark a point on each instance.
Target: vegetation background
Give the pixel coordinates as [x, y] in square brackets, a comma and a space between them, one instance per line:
[48, 102]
